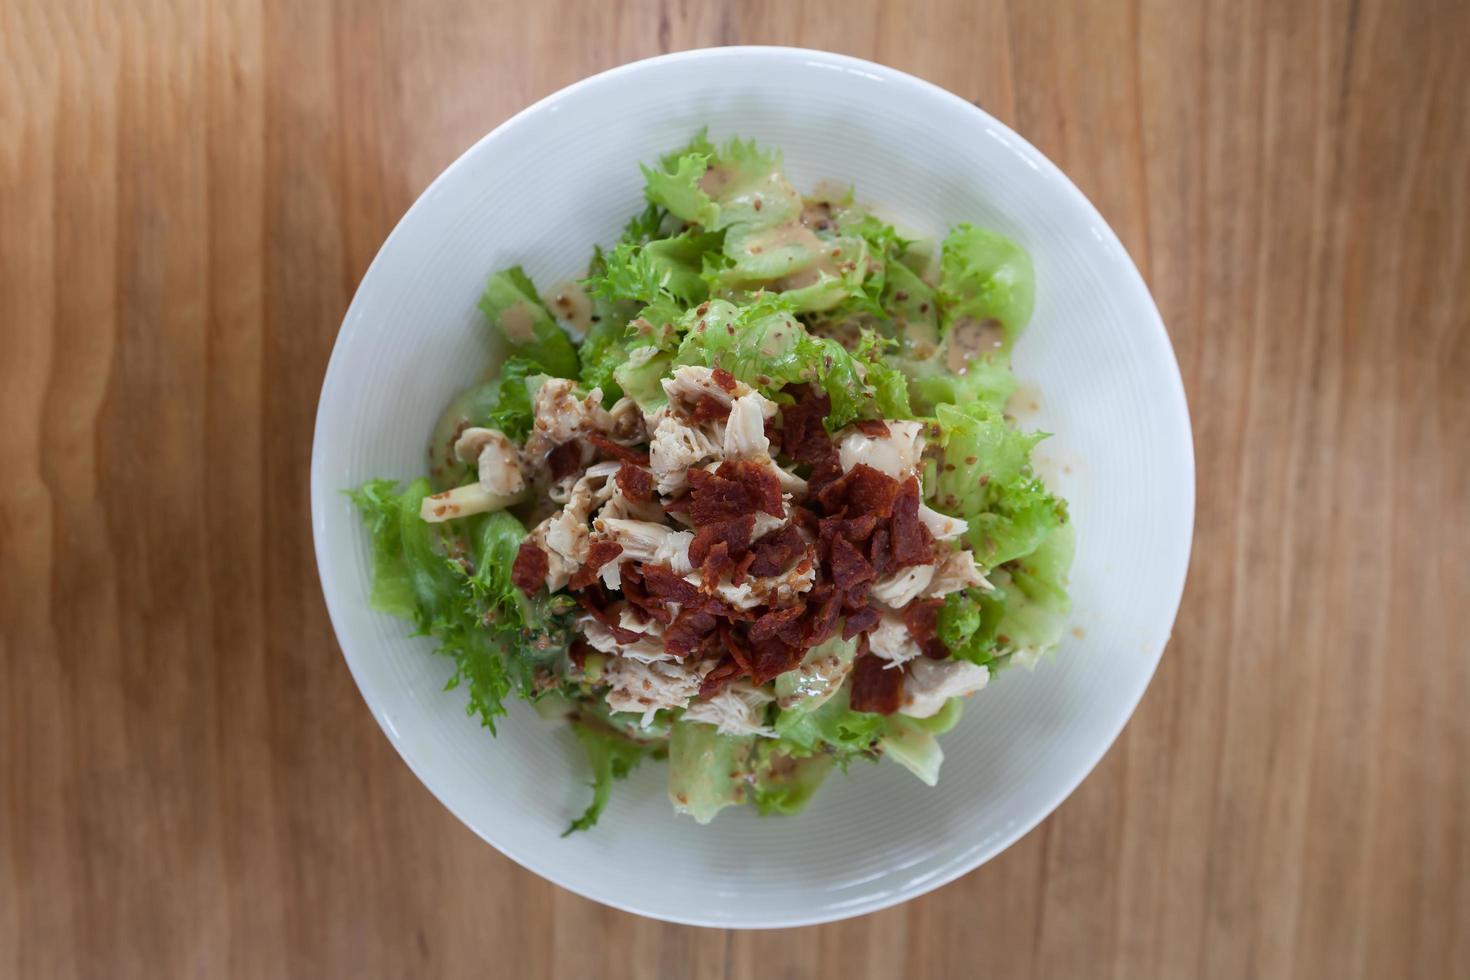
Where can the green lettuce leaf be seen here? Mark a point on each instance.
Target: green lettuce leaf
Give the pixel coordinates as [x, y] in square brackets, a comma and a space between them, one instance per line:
[511, 304]
[983, 275]
[783, 783]
[1019, 515]
[913, 746]
[831, 726]
[980, 449]
[765, 346]
[500, 640]
[611, 757]
[1037, 604]
[675, 185]
[706, 769]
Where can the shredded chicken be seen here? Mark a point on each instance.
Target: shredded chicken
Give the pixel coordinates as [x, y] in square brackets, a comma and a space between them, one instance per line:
[745, 429]
[495, 456]
[691, 382]
[773, 590]
[736, 710]
[957, 571]
[930, 683]
[627, 423]
[903, 587]
[565, 536]
[896, 454]
[674, 448]
[891, 641]
[644, 688]
[646, 541]
[561, 416]
[647, 649]
[942, 526]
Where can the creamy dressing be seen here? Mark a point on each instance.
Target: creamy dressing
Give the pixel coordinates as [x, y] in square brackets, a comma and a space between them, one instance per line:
[969, 339]
[518, 323]
[570, 303]
[715, 181]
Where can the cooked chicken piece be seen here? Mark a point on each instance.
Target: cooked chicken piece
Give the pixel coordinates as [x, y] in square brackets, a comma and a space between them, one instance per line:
[903, 587]
[647, 687]
[559, 567]
[896, 454]
[561, 416]
[745, 429]
[674, 448]
[495, 456]
[646, 541]
[627, 423]
[790, 483]
[765, 523]
[472, 498]
[691, 382]
[647, 649]
[621, 506]
[566, 535]
[737, 710]
[957, 571]
[930, 683]
[773, 590]
[890, 640]
[942, 526]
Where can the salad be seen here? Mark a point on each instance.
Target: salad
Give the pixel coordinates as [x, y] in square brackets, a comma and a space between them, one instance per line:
[745, 497]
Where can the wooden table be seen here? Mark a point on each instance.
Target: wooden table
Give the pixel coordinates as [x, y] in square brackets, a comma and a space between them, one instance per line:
[189, 782]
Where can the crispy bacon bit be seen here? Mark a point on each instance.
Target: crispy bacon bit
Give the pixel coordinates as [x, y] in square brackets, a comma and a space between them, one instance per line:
[775, 622]
[662, 583]
[564, 460]
[874, 687]
[717, 562]
[853, 529]
[773, 658]
[615, 451]
[635, 482]
[688, 630]
[824, 603]
[761, 484]
[735, 533]
[860, 621]
[872, 428]
[803, 435]
[921, 616]
[734, 644]
[848, 566]
[577, 653]
[594, 600]
[714, 498]
[633, 590]
[715, 681]
[912, 542]
[742, 568]
[880, 553]
[708, 408]
[599, 553]
[723, 378]
[529, 571]
[776, 550]
[863, 490]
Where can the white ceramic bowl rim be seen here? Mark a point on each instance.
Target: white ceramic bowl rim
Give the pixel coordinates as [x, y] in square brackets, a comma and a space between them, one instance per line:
[325, 496]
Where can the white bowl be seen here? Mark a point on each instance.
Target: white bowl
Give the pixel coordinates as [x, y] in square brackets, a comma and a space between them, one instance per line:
[1096, 369]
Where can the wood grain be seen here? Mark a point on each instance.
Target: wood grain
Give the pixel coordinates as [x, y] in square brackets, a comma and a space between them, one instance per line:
[189, 782]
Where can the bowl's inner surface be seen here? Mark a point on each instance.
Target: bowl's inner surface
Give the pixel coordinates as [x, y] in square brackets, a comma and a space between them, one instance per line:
[1095, 369]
